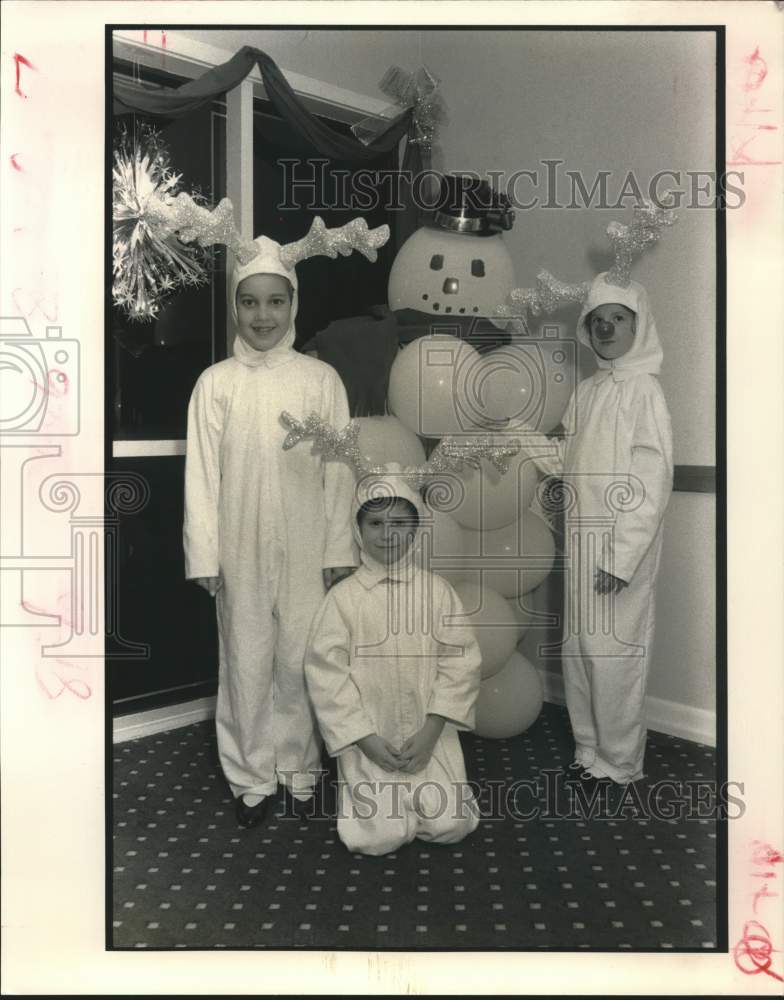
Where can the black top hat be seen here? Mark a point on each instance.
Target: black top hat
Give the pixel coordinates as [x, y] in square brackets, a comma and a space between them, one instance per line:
[467, 204]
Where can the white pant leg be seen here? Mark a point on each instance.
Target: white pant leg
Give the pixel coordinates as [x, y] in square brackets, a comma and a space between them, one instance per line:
[375, 815]
[445, 807]
[605, 684]
[244, 709]
[296, 736]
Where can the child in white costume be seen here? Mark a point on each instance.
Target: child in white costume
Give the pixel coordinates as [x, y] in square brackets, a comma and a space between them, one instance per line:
[392, 681]
[265, 530]
[617, 457]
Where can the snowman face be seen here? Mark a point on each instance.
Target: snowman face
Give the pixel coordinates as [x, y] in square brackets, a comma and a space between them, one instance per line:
[448, 274]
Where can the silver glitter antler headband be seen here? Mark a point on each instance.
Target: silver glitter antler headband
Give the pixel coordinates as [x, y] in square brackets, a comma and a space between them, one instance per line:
[627, 242]
[194, 222]
[630, 241]
[355, 235]
[449, 456]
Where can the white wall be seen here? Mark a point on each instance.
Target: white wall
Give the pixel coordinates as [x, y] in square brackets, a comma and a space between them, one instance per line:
[354, 60]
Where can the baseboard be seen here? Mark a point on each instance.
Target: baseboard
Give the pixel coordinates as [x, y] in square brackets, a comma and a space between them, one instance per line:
[670, 717]
[159, 720]
[662, 716]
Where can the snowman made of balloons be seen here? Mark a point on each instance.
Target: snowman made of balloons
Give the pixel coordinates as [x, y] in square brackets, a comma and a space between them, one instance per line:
[482, 536]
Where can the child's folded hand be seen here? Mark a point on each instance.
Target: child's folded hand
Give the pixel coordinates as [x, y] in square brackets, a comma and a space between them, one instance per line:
[380, 752]
[418, 749]
[606, 583]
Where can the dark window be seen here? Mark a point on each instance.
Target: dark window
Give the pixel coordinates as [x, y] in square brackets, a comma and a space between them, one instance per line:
[155, 364]
[436, 262]
[292, 184]
[478, 268]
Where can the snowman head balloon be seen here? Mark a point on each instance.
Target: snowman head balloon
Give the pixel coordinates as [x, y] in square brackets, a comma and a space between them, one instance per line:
[458, 266]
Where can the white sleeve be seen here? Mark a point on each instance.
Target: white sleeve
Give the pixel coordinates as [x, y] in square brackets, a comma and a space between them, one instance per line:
[548, 452]
[457, 682]
[650, 482]
[202, 482]
[339, 549]
[335, 697]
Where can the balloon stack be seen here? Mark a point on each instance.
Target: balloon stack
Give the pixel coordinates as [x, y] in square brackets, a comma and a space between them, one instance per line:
[484, 538]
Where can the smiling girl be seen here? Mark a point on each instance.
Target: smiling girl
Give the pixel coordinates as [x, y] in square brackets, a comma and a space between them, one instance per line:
[266, 532]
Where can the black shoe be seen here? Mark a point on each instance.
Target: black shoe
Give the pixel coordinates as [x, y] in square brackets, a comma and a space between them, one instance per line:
[250, 816]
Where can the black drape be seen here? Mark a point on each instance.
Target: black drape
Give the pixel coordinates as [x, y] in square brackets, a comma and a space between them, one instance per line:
[216, 81]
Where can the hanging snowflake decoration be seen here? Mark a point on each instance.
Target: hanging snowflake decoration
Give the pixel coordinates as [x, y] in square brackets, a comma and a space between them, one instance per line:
[149, 259]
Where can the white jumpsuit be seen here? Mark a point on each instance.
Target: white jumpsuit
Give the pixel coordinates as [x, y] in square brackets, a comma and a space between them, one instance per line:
[267, 522]
[616, 462]
[383, 653]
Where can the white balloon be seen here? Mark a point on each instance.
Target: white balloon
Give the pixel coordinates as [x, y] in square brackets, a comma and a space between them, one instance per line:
[510, 701]
[527, 382]
[444, 538]
[522, 616]
[423, 384]
[527, 546]
[386, 439]
[492, 499]
[491, 618]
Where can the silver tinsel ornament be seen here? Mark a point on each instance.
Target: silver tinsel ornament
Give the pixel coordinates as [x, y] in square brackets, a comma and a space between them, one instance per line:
[449, 456]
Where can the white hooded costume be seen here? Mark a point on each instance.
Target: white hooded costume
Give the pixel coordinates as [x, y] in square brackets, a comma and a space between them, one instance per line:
[384, 652]
[267, 521]
[617, 459]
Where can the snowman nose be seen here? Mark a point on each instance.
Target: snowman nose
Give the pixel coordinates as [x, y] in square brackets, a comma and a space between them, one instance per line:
[451, 286]
[605, 329]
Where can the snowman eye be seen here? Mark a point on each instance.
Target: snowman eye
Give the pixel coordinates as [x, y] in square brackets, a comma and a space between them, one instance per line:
[478, 268]
[436, 262]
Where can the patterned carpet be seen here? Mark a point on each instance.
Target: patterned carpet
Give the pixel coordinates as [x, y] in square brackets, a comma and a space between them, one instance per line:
[542, 870]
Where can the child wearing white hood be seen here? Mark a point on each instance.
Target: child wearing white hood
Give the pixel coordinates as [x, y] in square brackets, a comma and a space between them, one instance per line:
[265, 532]
[393, 677]
[617, 458]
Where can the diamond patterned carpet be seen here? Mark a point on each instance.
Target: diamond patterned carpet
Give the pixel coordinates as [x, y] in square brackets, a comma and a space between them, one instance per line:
[542, 871]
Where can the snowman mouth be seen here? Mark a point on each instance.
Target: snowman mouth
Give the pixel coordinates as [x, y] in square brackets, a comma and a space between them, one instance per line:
[439, 307]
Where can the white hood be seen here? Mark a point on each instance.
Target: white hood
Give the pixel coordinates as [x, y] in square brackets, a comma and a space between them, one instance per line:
[645, 355]
[389, 483]
[267, 262]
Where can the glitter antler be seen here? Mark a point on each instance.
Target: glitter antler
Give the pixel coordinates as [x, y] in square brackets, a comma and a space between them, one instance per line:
[355, 235]
[627, 242]
[192, 222]
[449, 456]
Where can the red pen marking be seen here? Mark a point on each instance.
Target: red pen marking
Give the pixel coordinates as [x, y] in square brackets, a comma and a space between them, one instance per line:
[21, 61]
[14, 164]
[36, 609]
[163, 38]
[58, 382]
[763, 892]
[758, 70]
[78, 687]
[48, 309]
[764, 854]
[753, 953]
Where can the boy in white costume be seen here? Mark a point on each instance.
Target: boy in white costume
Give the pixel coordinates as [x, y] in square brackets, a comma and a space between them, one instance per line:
[393, 678]
[617, 458]
[266, 530]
